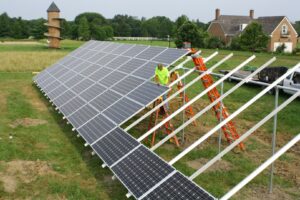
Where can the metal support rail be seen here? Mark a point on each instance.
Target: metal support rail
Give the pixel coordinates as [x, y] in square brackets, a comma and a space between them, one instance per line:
[184, 62]
[250, 81]
[212, 104]
[178, 92]
[195, 99]
[261, 168]
[244, 136]
[241, 109]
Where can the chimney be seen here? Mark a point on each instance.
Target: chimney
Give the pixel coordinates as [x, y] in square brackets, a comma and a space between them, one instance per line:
[218, 13]
[251, 15]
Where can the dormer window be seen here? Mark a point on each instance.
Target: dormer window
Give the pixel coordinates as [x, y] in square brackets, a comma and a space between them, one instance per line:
[243, 26]
[284, 29]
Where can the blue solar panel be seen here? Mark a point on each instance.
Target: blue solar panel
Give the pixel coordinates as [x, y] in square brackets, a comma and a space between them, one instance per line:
[100, 86]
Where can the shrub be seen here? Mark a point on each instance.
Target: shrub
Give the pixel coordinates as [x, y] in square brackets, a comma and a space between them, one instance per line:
[214, 43]
[281, 48]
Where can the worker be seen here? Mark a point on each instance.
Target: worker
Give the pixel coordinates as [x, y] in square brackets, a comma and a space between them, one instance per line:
[162, 78]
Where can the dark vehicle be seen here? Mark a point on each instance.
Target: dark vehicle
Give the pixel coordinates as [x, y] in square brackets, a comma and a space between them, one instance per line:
[271, 74]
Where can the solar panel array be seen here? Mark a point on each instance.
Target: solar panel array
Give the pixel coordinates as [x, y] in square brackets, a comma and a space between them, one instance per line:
[100, 86]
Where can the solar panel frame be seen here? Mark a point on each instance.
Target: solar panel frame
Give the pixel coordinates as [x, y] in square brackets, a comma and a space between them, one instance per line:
[87, 112]
[93, 129]
[114, 145]
[134, 170]
[175, 188]
[81, 64]
[122, 110]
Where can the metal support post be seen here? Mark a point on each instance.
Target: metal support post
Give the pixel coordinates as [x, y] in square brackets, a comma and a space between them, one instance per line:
[221, 117]
[184, 112]
[274, 140]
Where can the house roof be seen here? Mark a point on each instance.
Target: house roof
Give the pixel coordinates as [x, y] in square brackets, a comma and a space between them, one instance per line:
[231, 23]
[53, 8]
[269, 24]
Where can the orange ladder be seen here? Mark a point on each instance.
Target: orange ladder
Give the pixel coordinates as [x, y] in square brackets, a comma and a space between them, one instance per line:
[168, 126]
[228, 129]
[189, 112]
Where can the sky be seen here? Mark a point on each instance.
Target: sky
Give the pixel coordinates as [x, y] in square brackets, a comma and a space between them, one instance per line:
[204, 10]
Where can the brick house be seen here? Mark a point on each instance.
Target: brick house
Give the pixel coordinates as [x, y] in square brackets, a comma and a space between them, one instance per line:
[279, 28]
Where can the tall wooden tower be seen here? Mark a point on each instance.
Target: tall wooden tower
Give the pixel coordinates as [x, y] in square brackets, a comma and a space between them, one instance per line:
[53, 26]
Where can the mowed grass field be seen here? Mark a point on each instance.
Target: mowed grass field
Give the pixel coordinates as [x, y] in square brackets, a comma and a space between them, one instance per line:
[41, 158]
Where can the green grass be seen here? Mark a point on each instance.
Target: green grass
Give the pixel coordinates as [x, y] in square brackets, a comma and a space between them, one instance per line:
[80, 175]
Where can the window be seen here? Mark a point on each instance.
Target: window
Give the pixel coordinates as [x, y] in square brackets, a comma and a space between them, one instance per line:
[284, 29]
[296, 78]
[242, 26]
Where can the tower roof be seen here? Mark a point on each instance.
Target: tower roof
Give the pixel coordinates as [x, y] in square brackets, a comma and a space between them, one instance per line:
[53, 8]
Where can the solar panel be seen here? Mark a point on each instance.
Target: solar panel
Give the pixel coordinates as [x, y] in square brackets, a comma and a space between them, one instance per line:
[146, 71]
[116, 63]
[100, 73]
[82, 115]
[74, 80]
[169, 56]
[96, 128]
[127, 85]
[123, 109]
[82, 85]
[51, 86]
[90, 69]
[56, 92]
[146, 93]
[151, 53]
[67, 76]
[141, 170]
[114, 146]
[134, 51]
[72, 106]
[112, 78]
[180, 188]
[100, 86]
[90, 93]
[132, 65]
[63, 98]
[105, 99]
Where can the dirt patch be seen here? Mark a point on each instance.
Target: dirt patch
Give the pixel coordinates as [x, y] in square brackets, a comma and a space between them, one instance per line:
[9, 183]
[259, 193]
[20, 43]
[19, 171]
[27, 122]
[290, 170]
[221, 165]
[35, 100]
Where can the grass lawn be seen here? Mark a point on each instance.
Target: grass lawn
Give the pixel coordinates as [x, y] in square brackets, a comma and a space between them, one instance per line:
[41, 158]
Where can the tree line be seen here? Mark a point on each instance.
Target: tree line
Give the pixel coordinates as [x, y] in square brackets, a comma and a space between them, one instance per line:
[88, 26]
[94, 26]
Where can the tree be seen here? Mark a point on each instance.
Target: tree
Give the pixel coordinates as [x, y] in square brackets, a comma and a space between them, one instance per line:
[190, 32]
[83, 29]
[213, 43]
[5, 29]
[16, 30]
[297, 27]
[66, 29]
[253, 38]
[38, 28]
[158, 26]
[235, 43]
[91, 17]
[180, 21]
